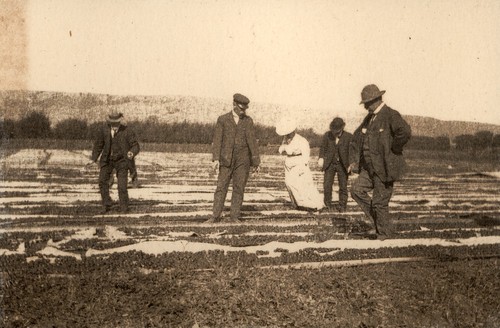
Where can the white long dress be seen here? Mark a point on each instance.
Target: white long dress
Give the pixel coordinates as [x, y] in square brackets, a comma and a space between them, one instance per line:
[298, 177]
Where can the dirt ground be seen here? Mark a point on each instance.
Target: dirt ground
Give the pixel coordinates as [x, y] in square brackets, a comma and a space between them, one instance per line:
[65, 265]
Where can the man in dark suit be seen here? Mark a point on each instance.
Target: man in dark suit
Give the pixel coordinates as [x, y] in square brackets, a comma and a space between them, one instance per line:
[377, 155]
[116, 144]
[235, 150]
[334, 159]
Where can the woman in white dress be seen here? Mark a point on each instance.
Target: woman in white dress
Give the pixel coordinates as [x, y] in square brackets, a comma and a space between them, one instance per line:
[298, 177]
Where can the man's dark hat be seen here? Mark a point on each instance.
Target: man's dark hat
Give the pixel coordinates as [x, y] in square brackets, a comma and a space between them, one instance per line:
[337, 124]
[369, 93]
[115, 117]
[241, 100]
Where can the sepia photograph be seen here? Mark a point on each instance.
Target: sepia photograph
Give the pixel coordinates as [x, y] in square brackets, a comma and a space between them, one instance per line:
[249, 164]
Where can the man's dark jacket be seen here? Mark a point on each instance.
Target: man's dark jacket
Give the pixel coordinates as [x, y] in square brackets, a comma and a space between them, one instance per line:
[387, 135]
[231, 138]
[114, 149]
[328, 149]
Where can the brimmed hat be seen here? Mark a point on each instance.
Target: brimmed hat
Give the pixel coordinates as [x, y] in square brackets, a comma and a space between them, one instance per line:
[337, 125]
[115, 117]
[285, 126]
[370, 92]
[241, 100]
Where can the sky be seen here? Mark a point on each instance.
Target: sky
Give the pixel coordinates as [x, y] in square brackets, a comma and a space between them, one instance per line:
[434, 58]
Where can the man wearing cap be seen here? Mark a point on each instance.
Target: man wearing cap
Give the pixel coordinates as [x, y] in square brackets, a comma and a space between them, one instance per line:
[334, 159]
[116, 144]
[376, 153]
[234, 151]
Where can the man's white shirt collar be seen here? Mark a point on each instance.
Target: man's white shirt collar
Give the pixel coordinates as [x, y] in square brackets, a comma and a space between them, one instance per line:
[375, 112]
[236, 117]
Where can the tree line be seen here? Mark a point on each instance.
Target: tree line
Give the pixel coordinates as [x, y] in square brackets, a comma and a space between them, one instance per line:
[37, 125]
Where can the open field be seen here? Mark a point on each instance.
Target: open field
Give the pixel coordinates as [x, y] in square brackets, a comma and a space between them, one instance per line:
[65, 265]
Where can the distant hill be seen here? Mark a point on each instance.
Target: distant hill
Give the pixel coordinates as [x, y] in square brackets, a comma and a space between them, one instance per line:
[427, 126]
[59, 106]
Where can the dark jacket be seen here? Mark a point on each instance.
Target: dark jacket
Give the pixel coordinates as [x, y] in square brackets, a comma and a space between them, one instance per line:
[238, 139]
[328, 149]
[387, 135]
[116, 149]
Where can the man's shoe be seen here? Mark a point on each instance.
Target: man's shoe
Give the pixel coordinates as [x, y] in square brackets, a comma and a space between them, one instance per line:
[124, 210]
[371, 234]
[213, 220]
[134, 183]
[105, 210]
[382, 237]
[314, 212]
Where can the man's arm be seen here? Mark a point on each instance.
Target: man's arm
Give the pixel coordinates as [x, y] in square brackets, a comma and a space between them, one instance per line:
[322, 151]
[401, 132]
[134, 147]
[252, 143]
[354, 151]
[98, 145]
[345, 150]
[217, 140]
[324, 145]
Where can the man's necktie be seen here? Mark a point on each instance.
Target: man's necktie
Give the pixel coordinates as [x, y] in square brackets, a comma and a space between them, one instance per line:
[369, 119]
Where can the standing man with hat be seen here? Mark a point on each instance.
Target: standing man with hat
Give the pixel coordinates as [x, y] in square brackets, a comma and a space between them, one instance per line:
[116, 144]
[235, 150]
[334, 159]
[377, 155]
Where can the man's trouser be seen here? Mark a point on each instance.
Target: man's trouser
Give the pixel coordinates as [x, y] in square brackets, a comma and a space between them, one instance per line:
[238, 172]
[329, 176]
[121, 168]
[376, 208]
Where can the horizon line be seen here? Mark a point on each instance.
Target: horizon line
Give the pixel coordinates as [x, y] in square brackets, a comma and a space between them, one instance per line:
[213, 98]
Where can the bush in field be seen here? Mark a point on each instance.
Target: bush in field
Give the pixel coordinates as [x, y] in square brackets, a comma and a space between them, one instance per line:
[71, 129]
[313, 138]
[152, 130]
[267, 135]
[429, 143]
[465, 142]
[189, 133]
[33, 125]
[483, 139]
[93, 129]
[442, 143]
[480, 141]
[7, 129]
[495, 141]
[148, 131]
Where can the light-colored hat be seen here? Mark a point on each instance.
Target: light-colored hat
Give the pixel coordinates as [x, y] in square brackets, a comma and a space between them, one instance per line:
[115, 117]
[285, 126]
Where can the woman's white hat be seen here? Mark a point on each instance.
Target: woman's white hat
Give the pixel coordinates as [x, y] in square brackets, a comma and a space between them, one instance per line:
[285, 126]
